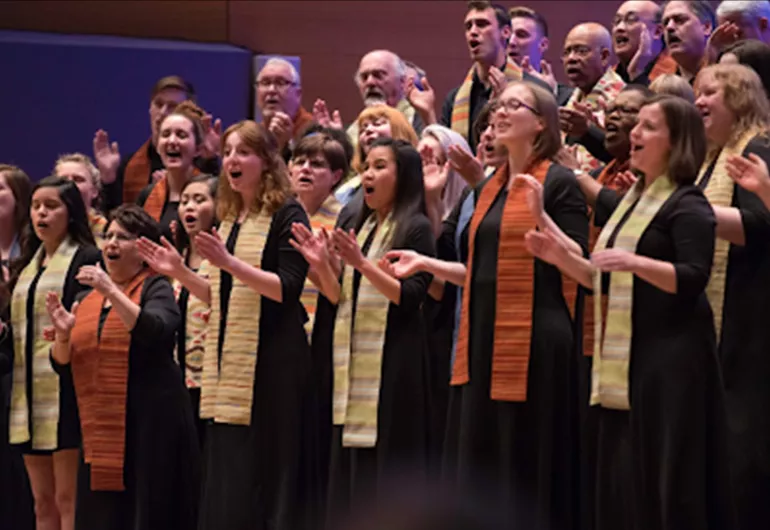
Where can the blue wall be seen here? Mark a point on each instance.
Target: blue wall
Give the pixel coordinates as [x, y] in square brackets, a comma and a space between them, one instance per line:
[58, 90]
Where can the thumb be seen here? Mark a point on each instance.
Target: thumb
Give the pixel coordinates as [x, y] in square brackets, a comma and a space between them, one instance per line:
[218, 126]
[545, 68]
[525, 64]
[166, 243]
[425, 84]
[74, 308]
[336, 115]
[755, 159]
[115, 147]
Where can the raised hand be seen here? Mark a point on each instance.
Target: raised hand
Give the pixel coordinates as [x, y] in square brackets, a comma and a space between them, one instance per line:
[497, 81]
[750, 173]
[163, 259]
[63, 321]
[545, 74]
[158, 174]
[424, 101]
[94, 276]
[615, 260]
[546, 246]
[573, 122]
[534, 196]
[725, 34]
[106, 156]
[348, 248]
[280, 124]
[314, 248]
[211, 247]
[404, 263]
[643, 56]
[322, 116]
[212, 136]
[567, 157]
[468, 166]
[624, 181]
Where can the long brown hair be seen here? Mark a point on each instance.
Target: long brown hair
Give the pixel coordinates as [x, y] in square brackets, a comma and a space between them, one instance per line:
[21, 187]
[274, 186]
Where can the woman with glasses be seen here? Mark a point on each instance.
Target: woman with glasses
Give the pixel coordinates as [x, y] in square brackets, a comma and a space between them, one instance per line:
[510, 427]
[140, 458]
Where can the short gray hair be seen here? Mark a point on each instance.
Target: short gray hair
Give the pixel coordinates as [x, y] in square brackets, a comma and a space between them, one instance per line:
[398, 63]
[754, 9]
[278, 61]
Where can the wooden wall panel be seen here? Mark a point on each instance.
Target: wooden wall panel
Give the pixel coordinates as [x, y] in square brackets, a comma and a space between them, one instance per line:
[331, 37]
[198, 20]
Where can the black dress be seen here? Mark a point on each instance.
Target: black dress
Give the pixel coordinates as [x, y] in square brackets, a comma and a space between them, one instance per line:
[16, 506]
[663, 463]
[520, 454]
[252, 474]
[162, 457]
[68, 430]
[744, 352]
[360, 474]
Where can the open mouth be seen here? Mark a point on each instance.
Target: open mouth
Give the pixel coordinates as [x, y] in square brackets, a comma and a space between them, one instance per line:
[174, 155]
[368, 190]
[621, 40]
[489, 149]
[673, 39]
[112, 256]
[635, 148]
[42, 224]
[611, 126]
[190, 219]
[573, 71]
[474, 44]
[235, 175]
[305, 180]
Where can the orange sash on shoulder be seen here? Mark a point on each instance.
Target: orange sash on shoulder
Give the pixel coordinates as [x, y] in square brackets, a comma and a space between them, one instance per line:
[100, 376]
[137, 174]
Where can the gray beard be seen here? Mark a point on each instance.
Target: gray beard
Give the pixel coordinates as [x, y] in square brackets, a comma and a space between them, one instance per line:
[370, 101]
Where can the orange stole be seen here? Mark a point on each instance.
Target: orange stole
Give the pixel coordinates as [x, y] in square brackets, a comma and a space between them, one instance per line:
[137, 174]
[301, 121]
[515, 278]
[156, 200]
[664, 64]
[100, 376]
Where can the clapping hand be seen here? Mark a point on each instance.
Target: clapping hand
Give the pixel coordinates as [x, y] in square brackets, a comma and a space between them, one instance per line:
[94, 276]
[163, 259]
[347, 247]
[212, 136]
[323, 118]
[313, 247]
[402, 263]
[106, 156]
[423, 101]
[750, 173]
[545, 246]
[534, 197]
[614, 260]
[63, 321]
[545, 74]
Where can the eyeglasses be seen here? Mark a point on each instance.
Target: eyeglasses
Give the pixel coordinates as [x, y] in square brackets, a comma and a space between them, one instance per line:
[121, 238]
[625, 111]
[579, 49]
[629, 18]
[278, 82]
[511, 105]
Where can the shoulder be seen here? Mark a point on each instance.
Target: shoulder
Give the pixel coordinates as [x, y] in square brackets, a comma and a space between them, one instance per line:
[690, 199]
[418, 224]
[291, 211]
[156, 285]
[759, 145]
[87, 255]
[560, 177]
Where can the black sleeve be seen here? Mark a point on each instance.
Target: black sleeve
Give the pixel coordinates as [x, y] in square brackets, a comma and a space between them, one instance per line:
[112, 194]
[754, 214]
[446, 248]
[596, 172]
[606, 202]
[142, 197]
[693, 227]
[159, 316]
[292, 267]
[73, 289]
[566, 204]
[420, 239]
[593, 140]
[447, 107]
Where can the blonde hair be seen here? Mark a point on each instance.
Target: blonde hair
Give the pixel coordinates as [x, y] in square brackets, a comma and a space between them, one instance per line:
[400, 129]
[195, 114]
[93, 172]
[673, 85]
[274, 186]
[744, 95]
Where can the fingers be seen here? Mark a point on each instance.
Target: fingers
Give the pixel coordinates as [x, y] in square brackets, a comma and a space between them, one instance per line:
[425, 85]
[74, 307]
[49, 333]
[545, 68]
[206, 122]
[393, 255]
[526, 65]
[337, 119]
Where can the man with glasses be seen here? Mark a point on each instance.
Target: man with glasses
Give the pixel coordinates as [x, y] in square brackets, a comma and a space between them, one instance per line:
[586, 58]
[637, 39]
[279, 98]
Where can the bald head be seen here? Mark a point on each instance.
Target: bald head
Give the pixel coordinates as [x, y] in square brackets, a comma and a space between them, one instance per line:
[631, 18]
[586, 54]
[380, 78]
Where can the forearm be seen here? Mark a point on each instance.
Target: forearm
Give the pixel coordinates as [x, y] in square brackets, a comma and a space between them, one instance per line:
[428, 116]
[60, 351]
[590, 187]
[198, 286]
[730, 225]
[382, 281]
[265, 283]
[436, 289]
[127, 310]
[578, 268]
[448, 271]
[326, 281]
[661, 274]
